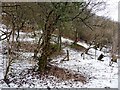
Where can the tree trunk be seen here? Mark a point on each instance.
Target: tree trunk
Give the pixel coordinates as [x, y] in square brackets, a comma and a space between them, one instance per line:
[13, 33]
[45, 51]
[38, 47]
[17, 39]
[76, 37]
[59, 40]
[9, 60]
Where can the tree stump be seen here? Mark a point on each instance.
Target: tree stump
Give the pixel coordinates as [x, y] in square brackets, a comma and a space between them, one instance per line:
[66, 58]
[100, 57]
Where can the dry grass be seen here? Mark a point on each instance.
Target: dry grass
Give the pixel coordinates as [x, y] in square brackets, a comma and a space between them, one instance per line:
[30, 47]
[65, 74]
[27, 30]
[77, 47]
[53, 55]
[25, 46]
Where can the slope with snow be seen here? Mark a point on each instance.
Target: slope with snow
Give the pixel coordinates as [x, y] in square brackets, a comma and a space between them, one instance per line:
[99, 73]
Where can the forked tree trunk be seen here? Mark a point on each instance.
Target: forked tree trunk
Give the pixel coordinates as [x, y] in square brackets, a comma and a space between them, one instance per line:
[45, 51]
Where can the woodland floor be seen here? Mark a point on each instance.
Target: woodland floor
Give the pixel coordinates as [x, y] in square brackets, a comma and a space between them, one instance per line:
[78, 72]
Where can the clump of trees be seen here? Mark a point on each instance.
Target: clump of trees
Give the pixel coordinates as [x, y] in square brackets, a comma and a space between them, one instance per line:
[65, 19]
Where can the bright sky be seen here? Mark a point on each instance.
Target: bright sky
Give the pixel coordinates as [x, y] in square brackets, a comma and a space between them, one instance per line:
[111, 10]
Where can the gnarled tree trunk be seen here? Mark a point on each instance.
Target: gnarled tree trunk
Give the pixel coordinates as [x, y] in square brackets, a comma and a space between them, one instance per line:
[45, 51]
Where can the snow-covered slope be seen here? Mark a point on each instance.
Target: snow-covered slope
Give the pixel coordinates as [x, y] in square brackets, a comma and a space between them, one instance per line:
[99, 73]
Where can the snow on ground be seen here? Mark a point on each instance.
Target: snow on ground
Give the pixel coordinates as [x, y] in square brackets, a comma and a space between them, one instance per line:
[2, 59]
[99, 73]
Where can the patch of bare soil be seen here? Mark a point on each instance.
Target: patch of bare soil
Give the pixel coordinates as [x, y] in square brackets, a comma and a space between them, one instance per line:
[61, 53]
[65, 74]
[27, 30]
[25, 46]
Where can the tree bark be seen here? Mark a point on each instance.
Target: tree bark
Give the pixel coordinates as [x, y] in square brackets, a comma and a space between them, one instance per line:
[45, 51]
[76, 37]
[59, 40]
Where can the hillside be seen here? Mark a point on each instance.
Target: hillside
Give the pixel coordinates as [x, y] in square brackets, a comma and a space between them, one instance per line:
[98, 74]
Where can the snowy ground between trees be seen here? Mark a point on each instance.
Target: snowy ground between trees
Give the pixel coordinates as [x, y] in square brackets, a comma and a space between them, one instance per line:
[99, 73]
